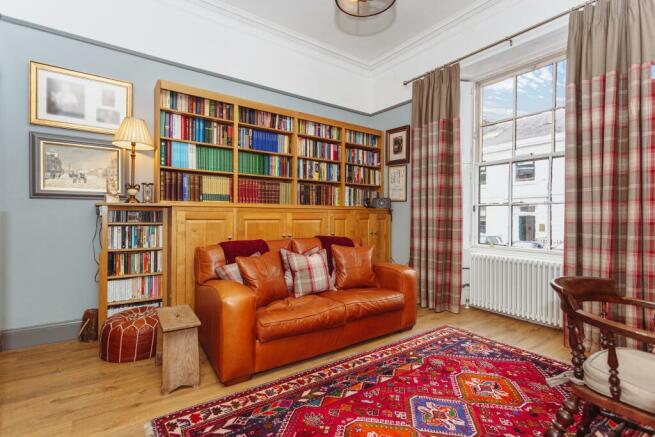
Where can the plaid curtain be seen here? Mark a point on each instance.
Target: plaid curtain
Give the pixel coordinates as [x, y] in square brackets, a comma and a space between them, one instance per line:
[610, 151]
[436, 234]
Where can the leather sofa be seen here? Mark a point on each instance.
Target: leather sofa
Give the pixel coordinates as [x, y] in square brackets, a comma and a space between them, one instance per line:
[241, 340]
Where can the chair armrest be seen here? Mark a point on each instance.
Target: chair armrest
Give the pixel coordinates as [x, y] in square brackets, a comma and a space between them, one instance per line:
[227, 312]
[616, 327]
[400, 278]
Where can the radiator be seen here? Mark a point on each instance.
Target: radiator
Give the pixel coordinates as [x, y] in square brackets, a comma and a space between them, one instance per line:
[517, 287]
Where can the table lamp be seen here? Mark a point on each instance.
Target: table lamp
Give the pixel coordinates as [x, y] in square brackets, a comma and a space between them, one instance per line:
[133, 134]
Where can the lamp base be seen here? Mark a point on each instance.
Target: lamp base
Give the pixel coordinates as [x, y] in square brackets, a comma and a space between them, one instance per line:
[132, 191]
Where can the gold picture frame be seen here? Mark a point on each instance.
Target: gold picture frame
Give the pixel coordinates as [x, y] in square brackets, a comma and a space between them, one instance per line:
[69, 99]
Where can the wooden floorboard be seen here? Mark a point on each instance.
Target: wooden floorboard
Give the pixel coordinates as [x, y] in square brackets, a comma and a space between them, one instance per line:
[65, 389]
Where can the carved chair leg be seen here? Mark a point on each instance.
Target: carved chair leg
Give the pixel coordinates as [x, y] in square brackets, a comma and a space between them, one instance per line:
[564, 418]
[589, 412]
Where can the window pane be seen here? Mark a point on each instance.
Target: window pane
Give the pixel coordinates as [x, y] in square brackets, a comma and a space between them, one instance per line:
[557, 188]
[557, 222]
[534, 91]
[497, 101]
[534, 134]
[497, 141]
[494, 184]
[559, 130]
[530, 181]
[530, 226]
[561, 83]
[493, 225]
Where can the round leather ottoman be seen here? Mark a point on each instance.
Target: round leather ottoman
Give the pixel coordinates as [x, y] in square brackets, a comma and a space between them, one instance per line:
[130, 335]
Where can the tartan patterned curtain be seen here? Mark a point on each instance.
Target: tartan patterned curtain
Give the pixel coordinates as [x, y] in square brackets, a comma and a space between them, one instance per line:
[436, 234]
[610, 151]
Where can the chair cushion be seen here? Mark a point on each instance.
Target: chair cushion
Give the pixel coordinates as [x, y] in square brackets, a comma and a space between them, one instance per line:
[365, 302]
[310, 273]
[264, 274]
[636, 370]
[295, 316]
[354, 267]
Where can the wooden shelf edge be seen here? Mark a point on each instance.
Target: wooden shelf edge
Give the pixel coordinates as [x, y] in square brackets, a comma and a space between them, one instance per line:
[263, 152]
[135, 223]
[143, 249]
[133, 301]
[197, 170]
[198, 143]
[206, 117]
[314, 137]
[364, 165]
[309, 158]
[270, 129]
[134, 275]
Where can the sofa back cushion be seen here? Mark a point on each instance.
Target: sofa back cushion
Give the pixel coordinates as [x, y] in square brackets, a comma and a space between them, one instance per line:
[354, 267]
[233, 249]
[327, 241]
[264, 274]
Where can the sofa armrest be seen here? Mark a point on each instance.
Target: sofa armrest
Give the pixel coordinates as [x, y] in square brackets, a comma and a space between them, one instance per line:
[227, 312]
[403, 279]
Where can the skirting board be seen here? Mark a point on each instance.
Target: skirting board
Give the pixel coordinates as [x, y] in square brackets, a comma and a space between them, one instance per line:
[40, 334]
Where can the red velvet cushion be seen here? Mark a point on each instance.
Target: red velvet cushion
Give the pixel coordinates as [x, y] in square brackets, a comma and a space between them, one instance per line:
[232, 249]
[327, 241]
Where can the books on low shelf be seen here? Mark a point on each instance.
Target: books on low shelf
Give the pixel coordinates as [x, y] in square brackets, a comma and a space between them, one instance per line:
[196, 105]
[361, 138]
[190, 128]
[124, 216]
[364, 157]
[318, 171]
[318, 194]
[356, 196]
[261, 191]
[264, 141]
[182, 186]
[265, 119]
[265, 165]
[144, 287]
[134, 263]
[135, 237]
[363, 175]
[306, 127]
[191, 156]
[311, 148]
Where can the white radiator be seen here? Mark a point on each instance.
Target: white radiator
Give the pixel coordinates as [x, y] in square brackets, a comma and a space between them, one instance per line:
[517, 287]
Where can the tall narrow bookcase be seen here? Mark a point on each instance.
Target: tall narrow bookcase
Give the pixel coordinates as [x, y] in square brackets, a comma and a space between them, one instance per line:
[364, 158]
[133, 257]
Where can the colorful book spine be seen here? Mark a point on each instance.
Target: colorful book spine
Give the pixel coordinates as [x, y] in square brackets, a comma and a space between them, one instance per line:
[135, 237]
[318, 194]
[363, 157]
[189, 128]
[318, 149]
[356, 196]
[363, 175]
[216, 188]
[146, 287]
[267, 165]
[123, 216]
[265, 119]
[318, 171]
[361, 138]
[134, 263]
[314, 129]
[181, 186]
[197, 105]
[264, 141]
[190, 156]
[258, 191]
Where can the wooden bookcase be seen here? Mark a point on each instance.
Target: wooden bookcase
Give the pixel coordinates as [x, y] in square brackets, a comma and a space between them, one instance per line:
[156, 232]
[294, 136]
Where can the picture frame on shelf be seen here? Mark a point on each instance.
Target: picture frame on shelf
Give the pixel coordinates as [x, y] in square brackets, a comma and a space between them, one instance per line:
[64, 167]
[398, 144]
[70, 99]
[398, 183]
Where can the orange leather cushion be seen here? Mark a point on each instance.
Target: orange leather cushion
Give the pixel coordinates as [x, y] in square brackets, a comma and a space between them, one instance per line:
[353, 267]
[276, 245]
[366, 302]
[302, 245]
[295, 316]
[264, 274]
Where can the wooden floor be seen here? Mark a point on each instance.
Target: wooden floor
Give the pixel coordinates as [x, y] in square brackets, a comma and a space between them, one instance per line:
[65, 389]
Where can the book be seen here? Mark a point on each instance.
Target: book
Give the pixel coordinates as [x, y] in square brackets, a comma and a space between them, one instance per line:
[181, 186]
[267, 165]
[356, 196]
[194, 157]
[265, 119]
[363, 157]
[361, 138]
[135, 237]
[134, 263]
[134, 288]
[363, 175]
[197, 105]
[123, 216]
[311, 148]
[264, 141]
[318, 171]
[306, 127]
[318, 194]
[259, 191]
[190, 128]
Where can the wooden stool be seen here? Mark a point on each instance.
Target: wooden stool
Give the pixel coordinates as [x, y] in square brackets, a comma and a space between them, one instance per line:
[177, 347]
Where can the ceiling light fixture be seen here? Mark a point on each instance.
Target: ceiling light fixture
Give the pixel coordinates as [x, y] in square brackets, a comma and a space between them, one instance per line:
[364, 8]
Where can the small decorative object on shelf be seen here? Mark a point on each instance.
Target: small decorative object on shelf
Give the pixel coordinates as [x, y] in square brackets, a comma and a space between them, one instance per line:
[133, 134]
[113, 190]
[148, 192]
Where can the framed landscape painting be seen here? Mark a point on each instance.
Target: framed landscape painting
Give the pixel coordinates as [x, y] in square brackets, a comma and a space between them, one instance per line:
[398, 145]
[68, 167]
[73, 100]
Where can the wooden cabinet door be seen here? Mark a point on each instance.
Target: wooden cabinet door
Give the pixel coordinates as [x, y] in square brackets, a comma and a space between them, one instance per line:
[264, 224]
[381, 236]
[341, 224]
[363, 228]
[306, 224]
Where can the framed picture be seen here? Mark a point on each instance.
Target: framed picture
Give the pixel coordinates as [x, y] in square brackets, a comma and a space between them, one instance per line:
[398, 145]
[73, 100]
[74, 168]
[398, 183]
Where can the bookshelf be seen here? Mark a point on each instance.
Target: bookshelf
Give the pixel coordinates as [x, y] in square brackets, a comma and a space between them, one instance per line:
[219, 148]
[133, 257]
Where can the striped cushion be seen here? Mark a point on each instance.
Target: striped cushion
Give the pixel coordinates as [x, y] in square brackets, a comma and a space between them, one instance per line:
[288, 277]
[310, 273]
[231, 272]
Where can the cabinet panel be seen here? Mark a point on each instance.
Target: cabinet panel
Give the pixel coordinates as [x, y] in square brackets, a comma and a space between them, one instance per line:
[306, 224]
[267, 225]
[380, 237]
[341, 224]
[363, 229]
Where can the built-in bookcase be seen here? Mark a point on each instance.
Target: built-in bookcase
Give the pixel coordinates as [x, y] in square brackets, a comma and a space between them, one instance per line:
[217, 148]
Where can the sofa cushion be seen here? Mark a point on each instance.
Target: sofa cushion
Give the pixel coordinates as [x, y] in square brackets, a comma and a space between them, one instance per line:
[354, 267]
[231, 272]
[264, 274]
[302, 245]
[296, 316]
[636, 370]
[233, 249]
[365, 302]
[310, 273]
[327, 241]
[288, 276]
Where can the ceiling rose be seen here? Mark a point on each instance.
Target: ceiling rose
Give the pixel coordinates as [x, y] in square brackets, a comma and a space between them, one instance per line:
[364, 8]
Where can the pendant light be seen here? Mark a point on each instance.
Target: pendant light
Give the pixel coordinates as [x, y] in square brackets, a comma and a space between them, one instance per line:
[364, 8]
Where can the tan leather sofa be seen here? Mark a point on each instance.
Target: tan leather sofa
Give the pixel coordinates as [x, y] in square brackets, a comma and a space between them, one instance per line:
[241, 339]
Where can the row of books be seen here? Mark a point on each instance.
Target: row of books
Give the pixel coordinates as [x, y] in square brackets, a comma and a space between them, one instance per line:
[363, 175]
[134, 263]
[318, 149]
[318, 194]
[265, 119]
[361, 138]
[366, 157]
[189, 155]
[119, 308]
[197, 105]
[257, 191]
[318, 171]
[145, 216]
[314, 129]
[183, 186]
[135, 237]
[356, 196]
[134, 288]
[270, 165]
[261, 140]
[188, 128]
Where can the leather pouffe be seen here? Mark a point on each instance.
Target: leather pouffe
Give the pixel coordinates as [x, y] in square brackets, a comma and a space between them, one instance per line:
[130, 335]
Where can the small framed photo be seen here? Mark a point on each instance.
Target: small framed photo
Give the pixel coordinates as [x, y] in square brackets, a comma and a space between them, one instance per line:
[398, 183]
[74, 168]
[398, 145]
[72, 100]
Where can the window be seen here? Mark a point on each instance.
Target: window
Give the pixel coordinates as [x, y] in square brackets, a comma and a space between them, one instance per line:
[520, 160]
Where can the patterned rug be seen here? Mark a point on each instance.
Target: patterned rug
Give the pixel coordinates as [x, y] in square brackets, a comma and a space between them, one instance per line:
[445, 382]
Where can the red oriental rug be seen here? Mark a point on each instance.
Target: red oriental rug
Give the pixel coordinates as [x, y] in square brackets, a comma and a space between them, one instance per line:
[446, 382]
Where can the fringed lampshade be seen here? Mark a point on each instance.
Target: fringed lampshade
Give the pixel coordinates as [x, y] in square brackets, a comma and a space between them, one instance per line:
[133, 130]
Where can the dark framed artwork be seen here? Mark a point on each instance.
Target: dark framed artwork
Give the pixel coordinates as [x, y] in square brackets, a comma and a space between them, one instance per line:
[398, 183]
[398, 143]
[74, 168]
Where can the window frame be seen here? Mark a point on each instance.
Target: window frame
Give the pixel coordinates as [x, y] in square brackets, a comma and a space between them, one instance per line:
[513, 73]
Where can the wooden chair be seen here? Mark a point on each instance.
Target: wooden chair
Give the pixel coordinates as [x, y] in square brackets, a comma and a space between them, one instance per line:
[618, 380]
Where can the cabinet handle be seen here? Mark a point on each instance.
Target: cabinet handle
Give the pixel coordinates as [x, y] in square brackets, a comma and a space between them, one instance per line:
[229, 237]
[332, 234]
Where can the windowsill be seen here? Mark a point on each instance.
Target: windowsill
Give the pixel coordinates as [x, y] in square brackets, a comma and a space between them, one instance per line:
[538, 254]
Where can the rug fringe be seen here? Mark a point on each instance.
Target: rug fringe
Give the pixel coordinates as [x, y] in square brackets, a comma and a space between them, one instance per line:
[149, 429]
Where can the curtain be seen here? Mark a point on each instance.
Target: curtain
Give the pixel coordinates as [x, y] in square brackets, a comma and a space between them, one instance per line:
[610, 151]
[436, 226]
